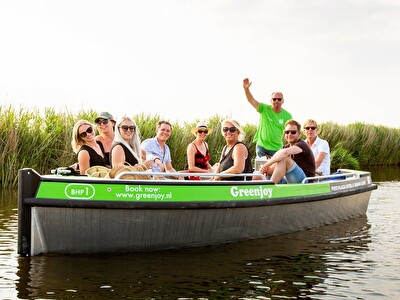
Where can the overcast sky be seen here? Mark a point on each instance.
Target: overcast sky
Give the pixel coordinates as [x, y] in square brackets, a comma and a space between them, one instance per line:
[185, 60]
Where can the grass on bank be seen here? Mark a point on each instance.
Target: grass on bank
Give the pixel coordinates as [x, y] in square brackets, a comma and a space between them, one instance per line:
[42, 141]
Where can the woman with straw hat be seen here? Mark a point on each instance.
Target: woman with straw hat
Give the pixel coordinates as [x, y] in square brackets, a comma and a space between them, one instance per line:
[198, 155]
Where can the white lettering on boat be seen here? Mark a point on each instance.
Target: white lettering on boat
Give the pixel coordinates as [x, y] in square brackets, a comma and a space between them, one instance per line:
[138, 192]
[346, 186]
[137, 189]
[260, 192]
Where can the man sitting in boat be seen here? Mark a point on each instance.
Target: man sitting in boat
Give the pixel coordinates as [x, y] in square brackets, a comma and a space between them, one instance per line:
[294, 161]
[235, 157]
[319, 147]
[158, 148]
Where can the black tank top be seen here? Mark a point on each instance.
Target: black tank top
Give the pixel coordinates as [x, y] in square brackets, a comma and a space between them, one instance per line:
[129, 158]
[226, 162]
[95, 159]
[106, 154]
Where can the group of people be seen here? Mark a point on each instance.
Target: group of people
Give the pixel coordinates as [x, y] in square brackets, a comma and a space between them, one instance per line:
[119, 142]
[295, 160]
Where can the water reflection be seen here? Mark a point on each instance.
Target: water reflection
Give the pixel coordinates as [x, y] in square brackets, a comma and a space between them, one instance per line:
[291, 265]
[345, 260]
[384, 173]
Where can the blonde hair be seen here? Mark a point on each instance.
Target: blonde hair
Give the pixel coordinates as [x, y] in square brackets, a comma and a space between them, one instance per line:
[134, 143]
[237, 125]
[77, 141]
[310, 121]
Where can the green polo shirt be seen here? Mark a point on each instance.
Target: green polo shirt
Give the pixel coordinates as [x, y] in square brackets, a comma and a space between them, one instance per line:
[270, 129]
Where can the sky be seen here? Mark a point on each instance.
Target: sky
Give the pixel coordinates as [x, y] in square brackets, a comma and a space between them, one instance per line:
[185, 60]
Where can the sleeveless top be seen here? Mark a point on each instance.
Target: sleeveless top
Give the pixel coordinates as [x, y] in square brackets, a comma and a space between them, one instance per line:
[95, 158]
[200, 161]
[106, 154]
[226, 162]
[129, 158]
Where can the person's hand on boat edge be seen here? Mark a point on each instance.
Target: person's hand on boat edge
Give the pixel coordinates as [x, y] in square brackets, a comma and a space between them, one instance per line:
[265, 169]
[148, 164]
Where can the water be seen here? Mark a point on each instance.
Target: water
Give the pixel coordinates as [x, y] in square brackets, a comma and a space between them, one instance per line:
[356, 259]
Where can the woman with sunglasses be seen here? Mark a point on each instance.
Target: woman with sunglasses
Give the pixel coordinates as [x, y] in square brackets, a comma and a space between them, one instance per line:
[235, 157]
[126, 146]
[90, 152]
[105, 124]
[198, 155]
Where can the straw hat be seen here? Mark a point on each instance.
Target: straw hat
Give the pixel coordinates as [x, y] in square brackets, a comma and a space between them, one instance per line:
[201, 125]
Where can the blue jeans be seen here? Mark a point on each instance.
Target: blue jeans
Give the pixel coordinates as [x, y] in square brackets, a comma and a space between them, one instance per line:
[295, 174]
[261, 151]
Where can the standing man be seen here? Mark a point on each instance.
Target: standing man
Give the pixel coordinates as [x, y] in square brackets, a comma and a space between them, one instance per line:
[268, 137]
[158, 148]
[294, 161]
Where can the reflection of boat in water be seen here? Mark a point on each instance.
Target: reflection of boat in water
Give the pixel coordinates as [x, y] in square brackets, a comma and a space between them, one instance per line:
[286, 265]
[74, 214]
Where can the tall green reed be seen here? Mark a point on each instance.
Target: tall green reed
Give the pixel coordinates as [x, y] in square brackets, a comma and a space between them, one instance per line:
[42, 141]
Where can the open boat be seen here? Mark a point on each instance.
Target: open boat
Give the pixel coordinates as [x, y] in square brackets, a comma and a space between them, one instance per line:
[80, 215]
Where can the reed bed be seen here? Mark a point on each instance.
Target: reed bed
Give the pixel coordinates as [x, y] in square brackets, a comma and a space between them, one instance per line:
[42, 140]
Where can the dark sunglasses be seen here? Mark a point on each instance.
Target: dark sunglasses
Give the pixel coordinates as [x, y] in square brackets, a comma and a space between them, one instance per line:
[276, 99]
[85, 133]
[290, 131]
[310, 128]
[202, 131]
[230, 129]
[126, 127]
[104, 122]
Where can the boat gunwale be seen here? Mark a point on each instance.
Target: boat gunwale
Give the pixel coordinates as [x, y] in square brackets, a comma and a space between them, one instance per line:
[100, 204]
[32, 200]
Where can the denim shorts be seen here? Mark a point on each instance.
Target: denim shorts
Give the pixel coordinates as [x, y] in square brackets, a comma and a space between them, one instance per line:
[295, 174]
[260, 151]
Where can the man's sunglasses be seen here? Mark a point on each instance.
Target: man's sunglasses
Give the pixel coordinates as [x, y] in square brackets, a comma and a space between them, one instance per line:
[290, 131]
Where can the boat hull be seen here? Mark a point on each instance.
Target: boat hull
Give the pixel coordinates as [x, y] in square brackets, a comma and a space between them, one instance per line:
[81, 227]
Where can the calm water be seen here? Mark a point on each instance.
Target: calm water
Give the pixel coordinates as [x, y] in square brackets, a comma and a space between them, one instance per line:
[356, 259]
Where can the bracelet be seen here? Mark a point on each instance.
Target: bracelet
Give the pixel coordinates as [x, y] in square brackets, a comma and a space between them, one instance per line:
[154, 160]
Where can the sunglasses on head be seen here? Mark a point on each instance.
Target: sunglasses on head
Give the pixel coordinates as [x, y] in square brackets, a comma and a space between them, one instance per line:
[230, 129]
[126, 127]
[85, 133]
[310, 128]
[290, 131]
[104, 122]
[276, 99]
[202, 131]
